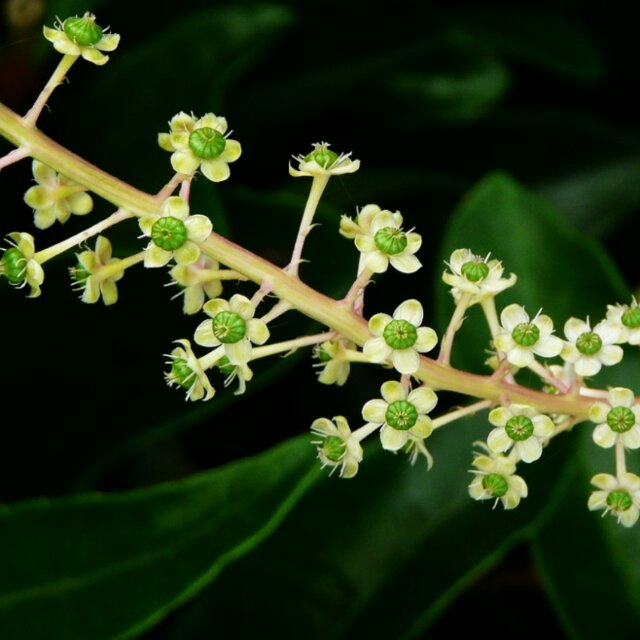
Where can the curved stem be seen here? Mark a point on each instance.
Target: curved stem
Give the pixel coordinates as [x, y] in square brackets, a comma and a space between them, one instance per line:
[287, 287]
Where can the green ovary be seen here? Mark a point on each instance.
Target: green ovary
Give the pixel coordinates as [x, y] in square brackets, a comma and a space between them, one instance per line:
[619, 500]
[334, 448]
[621, 419]
[182, 373]
[495, 484]
[525, 334]
[589, 343]
[400, 334]
[519, 428]
[325, 158]
[169, 233]
[391, 241]
[83, 31]
[229, 327]
[401, 415]
[13, 265]
[631, 318]
[207, 143]
[475, 271]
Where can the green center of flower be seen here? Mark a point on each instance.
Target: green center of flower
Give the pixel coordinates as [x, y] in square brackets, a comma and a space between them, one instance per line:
[621, 419]
[334, 448]
[475, 270]
[401, 415]
[79, 273]
[495, 484]
[225, 367]
[391, 241]
[525, 334]
[631, 318]
[14, 265]
[169, 233]
[400, 334]
[589, 343]
[207, 143]
[83, 31]
[182, 374]
[519, 428]
[229, 327]
[619, 500]
[325, 158]
[322, 354]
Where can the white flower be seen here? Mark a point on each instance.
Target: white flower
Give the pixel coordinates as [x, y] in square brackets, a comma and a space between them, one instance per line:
[337, 446]
[472, 274]
[495, 479]
[19, 265]
[523, 339]
[322, 161]
[400, 338]
[82, 37]
[617, 419]
[379, 237]
[618, 496]
[588, 349]
[240, 372]
[91, 276]
[174, 234]
[334, 361]
[55, 197]
[232, 324]
[187, 373]
[198, 281]
[403, 417]
[627, 319]
[521, 427]
[200, 144]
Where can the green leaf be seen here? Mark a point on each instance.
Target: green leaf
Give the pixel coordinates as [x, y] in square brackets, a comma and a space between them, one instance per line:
[378, 556]
[598, 199]
[559, 270]
[107, 566]
[585, 558]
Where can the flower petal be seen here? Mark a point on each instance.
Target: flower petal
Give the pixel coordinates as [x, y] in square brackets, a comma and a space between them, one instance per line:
[603, 436]
[375, 411]
[392, 391]
[411, 311]
[392, 439]
[216, 170]
[406, 361]
[198, 227]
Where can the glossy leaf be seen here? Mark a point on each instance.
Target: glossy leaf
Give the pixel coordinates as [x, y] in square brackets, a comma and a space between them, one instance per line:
[104, 566]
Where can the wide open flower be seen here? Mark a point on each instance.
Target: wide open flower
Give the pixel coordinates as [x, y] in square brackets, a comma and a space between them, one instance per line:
[627, 319]
[55, 197]
[379, 237]
[523, 339]
[521, 427]
[588, 349]
[617, 419]
[496, 479]
[472, 274]
[174, 234]
[403, 417]
[400, 338]
[337, 446]
[82, 37]
[618, 496]
[200, 144]
[232, 324]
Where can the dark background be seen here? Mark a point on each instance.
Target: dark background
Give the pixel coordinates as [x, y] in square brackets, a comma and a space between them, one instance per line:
[430, 96]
